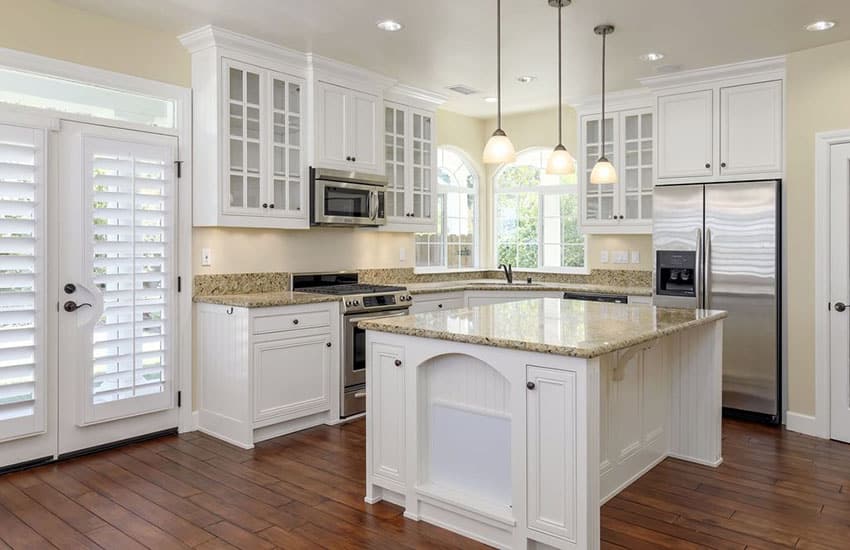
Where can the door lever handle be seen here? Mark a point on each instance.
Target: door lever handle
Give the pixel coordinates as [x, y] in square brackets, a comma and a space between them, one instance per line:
[840, 307]
[71, 306]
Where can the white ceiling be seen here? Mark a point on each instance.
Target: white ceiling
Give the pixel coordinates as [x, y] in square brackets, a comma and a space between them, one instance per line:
[447, 42]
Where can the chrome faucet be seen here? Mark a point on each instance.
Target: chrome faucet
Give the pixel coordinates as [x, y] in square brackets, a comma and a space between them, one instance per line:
[509, 272]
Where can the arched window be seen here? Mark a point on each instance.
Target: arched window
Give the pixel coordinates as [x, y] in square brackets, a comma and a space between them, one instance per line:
[536, 216]
[455, 243]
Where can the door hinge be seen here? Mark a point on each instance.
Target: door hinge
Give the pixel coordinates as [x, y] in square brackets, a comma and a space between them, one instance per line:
[179, 399]
[179, 284]
[179, 165]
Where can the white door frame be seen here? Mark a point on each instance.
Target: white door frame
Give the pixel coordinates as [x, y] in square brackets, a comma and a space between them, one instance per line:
[182, 98]
[820, 425]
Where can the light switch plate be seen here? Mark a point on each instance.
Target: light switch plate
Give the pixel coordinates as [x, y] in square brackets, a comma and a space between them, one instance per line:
[603, 256]
[402, 255]
[621, 257]
[635, 256]
[206, 257]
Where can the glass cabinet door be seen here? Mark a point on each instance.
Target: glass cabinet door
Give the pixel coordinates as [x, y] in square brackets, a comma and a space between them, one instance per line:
[600, 200]
[245, 138]
[287, 178]
[422, 184]
[394, 137]
[637, 170]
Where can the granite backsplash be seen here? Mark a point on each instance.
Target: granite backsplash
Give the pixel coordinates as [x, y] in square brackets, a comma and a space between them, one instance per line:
[251, 283]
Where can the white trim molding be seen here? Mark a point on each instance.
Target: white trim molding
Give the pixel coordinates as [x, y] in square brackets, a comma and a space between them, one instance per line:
[771, 68]
[819, 424]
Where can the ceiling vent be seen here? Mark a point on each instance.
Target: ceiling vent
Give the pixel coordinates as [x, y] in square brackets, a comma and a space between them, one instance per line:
[463, 89]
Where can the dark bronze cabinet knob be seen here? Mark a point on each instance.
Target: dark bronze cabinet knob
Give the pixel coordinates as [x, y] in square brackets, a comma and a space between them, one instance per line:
[398, 362]
[530, 385]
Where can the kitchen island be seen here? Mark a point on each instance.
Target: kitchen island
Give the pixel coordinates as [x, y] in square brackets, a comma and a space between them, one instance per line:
[513, 423]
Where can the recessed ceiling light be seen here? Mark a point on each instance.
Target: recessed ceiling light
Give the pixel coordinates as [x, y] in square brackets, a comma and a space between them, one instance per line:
[526, 78]
[389, 25]
[652, 56]
[820, 26]
[490, 99]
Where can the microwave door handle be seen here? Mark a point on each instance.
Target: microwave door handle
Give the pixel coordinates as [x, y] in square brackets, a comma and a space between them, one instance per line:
[373, 205]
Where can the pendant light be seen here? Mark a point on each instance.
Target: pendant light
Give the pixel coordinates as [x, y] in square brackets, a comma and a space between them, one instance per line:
[561, 163]
[604, 172]
[499, 148]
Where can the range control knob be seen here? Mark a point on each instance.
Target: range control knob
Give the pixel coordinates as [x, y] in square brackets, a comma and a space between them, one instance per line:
[348, 303]
[356, 302]
[409, 297]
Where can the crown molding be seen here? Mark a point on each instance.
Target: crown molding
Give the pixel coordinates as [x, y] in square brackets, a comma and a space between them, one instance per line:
[325, 67]
[425, 99]
[769, 67]
[635, 98]
[210, 36]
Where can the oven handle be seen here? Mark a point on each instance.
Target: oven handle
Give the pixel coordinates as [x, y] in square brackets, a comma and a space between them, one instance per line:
[354, 318]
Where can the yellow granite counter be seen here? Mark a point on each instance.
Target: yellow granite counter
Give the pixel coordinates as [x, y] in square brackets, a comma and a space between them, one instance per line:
[545, 325]
[265, 299]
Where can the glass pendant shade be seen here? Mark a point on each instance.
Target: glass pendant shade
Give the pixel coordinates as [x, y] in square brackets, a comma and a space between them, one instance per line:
[499, 149]
[561, 162]
[603, 172]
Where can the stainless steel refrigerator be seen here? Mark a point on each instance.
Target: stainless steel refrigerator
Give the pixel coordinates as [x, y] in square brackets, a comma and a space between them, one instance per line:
[717, 246]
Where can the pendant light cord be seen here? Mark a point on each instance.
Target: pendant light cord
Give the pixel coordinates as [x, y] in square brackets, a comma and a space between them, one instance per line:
[499, 64]
[602, 144]
[560, 101]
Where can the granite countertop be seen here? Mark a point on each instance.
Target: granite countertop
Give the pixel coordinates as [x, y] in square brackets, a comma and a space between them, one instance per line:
[496, 284]
[545, 325]
[266, 299]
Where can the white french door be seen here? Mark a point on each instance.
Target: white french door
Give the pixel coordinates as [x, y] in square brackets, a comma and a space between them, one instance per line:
[839, 321]
[117, 279]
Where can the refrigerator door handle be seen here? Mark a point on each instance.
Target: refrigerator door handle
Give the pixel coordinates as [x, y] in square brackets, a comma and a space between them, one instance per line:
[707, 282]
[698, 280]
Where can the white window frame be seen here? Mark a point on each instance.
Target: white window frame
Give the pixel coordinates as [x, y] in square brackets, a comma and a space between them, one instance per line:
[539, 190]
[476, 221]
[182, 98]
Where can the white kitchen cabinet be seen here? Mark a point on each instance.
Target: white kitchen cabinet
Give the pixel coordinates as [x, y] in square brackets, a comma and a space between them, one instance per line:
[751, 129]
[551, 452]
[265, 372]
[386, 406]
[411, 168]
[629, 144]
[423, 303]
[686, 135]
[347, 129]
[486, 297]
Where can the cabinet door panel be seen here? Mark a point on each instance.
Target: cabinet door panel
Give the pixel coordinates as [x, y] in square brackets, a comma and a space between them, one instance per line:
[395, 135]
[423, 162]
[685, 134]
[288, 191]
[637, 170]
[601, 203]
[291, 377]
[364, 131]
[552, 464]
[386, 396]
[751, 128]
[333, 130]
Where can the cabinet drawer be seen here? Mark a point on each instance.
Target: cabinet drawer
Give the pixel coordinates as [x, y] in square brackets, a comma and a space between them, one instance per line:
[291, 321]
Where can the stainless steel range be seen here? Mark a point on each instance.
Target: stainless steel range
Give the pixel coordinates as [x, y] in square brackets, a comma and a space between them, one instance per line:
[359, 301]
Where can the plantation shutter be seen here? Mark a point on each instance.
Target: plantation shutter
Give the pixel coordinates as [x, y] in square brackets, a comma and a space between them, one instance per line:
[22, 289]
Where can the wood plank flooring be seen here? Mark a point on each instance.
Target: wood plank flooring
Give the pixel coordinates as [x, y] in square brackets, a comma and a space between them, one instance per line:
[776, 489]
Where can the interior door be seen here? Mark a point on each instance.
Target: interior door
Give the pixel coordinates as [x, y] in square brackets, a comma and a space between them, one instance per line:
[117, 296]
[839, 271]
[741, 266]
[26, 411]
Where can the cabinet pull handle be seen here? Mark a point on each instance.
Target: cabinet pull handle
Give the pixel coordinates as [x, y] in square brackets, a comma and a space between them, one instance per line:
[530, 385]
[265, 205]
[229, 311]
[328, 344]
[723, 165]
[295, 321]
[708, 165]
[398, 362]
[348, 159]
[353, 159]
[271, 205]
[440, 306]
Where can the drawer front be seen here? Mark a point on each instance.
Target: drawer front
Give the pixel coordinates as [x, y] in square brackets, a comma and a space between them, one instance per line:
[291, 321]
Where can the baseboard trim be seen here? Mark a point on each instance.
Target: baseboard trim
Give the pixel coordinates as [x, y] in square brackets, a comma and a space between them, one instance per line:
[806, 424]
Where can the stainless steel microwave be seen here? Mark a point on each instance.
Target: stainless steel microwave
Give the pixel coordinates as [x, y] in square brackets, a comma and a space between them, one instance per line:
[341, 198]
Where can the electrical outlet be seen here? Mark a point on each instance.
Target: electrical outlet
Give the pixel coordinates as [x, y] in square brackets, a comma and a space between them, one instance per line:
[621, 257]
[603, 256]
[402, 255]
[206, 257]
[635, 256]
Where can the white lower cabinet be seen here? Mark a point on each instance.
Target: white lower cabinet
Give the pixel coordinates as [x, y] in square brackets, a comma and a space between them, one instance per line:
[385, 401]
[486, 297]
[265, 372]
[423, 303]
[551, 448]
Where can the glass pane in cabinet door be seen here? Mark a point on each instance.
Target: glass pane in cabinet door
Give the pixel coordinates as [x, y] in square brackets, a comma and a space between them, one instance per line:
[389, 120]
[592, 208]
[646, 126]
[417, 178]
[399, 149]
[426, 179]
[417, 126]
[252, 85]
[235, 84]
[592, 132]
[294, 131]
[426, 207]
[631, 179]
[294, 167]
[426, 154]
[236, 161]
[646, 183]
[609, 130]
[279, 161]
[294, 194]
[399, 204]
[236, 114]
[279, 93]
[253, 192]
[253, 157]
[279, 130]
[606, 207]
[417, 205]
[388, 153]
[252, 130]
[399, 176]
[279, 199]
[399, 123]
[632, 207]
[631, 127]
[426, 128]
[236, 194]
[646, 207]
[294, 98]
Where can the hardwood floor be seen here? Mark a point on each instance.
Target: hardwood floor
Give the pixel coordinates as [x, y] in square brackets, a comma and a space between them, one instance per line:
[776, 489]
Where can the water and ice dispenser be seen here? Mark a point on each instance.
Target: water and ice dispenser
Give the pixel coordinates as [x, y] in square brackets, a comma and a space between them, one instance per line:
[675, 273]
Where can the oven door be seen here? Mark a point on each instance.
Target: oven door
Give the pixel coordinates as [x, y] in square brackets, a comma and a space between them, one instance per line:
[354, 346]
[343, 203]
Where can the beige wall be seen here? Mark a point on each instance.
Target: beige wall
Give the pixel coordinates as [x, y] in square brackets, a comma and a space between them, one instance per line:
[540, 128]
[818, 88]
[55, 30]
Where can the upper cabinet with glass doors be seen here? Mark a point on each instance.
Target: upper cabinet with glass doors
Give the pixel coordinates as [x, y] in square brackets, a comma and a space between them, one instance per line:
[625, 207]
